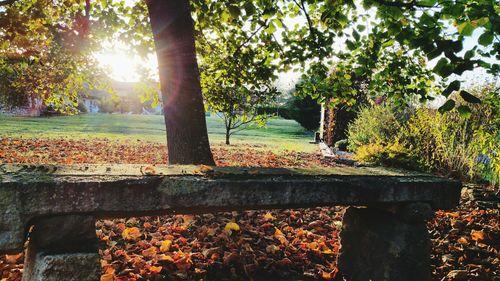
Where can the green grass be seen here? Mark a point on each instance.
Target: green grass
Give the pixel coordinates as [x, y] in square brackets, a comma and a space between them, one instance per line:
[279, 134]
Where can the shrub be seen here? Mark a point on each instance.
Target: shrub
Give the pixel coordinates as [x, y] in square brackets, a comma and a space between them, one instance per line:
[374, 125]
[465, 147]
[306, 111]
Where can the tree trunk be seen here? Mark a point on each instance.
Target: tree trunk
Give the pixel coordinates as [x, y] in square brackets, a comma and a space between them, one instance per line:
[336, 124]
[228, 135]
[187, 138]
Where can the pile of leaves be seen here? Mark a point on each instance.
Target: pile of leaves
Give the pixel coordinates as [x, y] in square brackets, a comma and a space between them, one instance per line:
[466, 241]
[101, 151]
[297, 244]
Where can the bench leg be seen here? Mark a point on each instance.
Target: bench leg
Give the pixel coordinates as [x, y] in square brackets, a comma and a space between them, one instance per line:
[385, 245]
[62, 249]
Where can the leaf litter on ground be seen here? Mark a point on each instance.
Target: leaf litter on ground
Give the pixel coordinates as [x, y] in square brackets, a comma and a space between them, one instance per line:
[297, 244]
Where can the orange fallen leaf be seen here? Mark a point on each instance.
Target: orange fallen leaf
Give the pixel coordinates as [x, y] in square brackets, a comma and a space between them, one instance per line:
[313, 245]
[131, 233]
[155, 269]
[477, 235]
[149, 252]
[463, 241]
[205, 168]
[149, 170]
[107, 277]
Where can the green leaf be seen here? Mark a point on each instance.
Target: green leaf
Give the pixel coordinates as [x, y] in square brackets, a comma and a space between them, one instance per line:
[454, 86]
[486, 38]
[447, 106]
[249, 8]
[468, 97]
[464, 111]
[361, 27]
[270, 29]
[428, 3]
[442, 67]
[234, 11]
[465, 28]
[350, 45]
[355, 34]
[469, 54]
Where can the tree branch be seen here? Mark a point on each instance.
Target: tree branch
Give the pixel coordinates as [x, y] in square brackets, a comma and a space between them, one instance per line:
[308, 18]
[238, 49]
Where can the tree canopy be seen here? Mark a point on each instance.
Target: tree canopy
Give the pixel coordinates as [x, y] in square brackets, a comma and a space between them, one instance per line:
[294, 32]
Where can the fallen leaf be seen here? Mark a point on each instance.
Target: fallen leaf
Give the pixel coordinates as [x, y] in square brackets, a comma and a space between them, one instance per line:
[269, 217]
[106, 277]
[131, 233]
[165, 245]
[155, 269]
[232, 226]
[149, 252]
[477, 235]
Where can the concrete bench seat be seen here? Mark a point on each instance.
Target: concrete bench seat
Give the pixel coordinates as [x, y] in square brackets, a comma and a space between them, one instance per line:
[380, 241]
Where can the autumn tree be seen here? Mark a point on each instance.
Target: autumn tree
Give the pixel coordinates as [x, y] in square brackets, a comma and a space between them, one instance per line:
[45, 54]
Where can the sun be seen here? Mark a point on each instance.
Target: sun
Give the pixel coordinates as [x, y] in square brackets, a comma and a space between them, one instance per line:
[120, 65]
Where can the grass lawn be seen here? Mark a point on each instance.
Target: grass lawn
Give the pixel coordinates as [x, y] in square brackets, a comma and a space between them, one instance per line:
[280, 134]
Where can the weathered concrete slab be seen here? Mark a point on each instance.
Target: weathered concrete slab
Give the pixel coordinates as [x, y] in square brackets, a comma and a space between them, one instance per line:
[28, 192]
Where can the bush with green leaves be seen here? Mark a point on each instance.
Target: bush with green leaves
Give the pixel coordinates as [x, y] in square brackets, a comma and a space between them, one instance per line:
[451, 143]
[374, 124]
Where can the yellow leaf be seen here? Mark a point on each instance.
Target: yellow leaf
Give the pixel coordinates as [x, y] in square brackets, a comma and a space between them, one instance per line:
[477, 235]
[131, 233]
[232, 226]
[165, 245]
[313, 245]
[328, 252]
[278, 232]
[165, 258]
[268, 217]
[155, 269]
[149, 252]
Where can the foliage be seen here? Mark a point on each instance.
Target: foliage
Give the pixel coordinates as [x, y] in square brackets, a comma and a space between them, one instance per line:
[454, 143]
[430, 28]
[45, 56]
[374, 125]
[418, 28]
[236, 78]
[304, 110]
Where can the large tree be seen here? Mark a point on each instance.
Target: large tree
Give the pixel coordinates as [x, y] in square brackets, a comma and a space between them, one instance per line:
[187, 137]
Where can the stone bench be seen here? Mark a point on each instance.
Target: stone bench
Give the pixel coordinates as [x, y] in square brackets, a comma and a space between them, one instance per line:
[384, 239]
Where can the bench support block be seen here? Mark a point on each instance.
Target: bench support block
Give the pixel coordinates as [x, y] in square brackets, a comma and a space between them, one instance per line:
[386, 245]
[63, 248]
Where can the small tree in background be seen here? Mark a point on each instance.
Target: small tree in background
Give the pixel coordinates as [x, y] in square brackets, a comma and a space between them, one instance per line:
[237, 106]
[237, 74]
